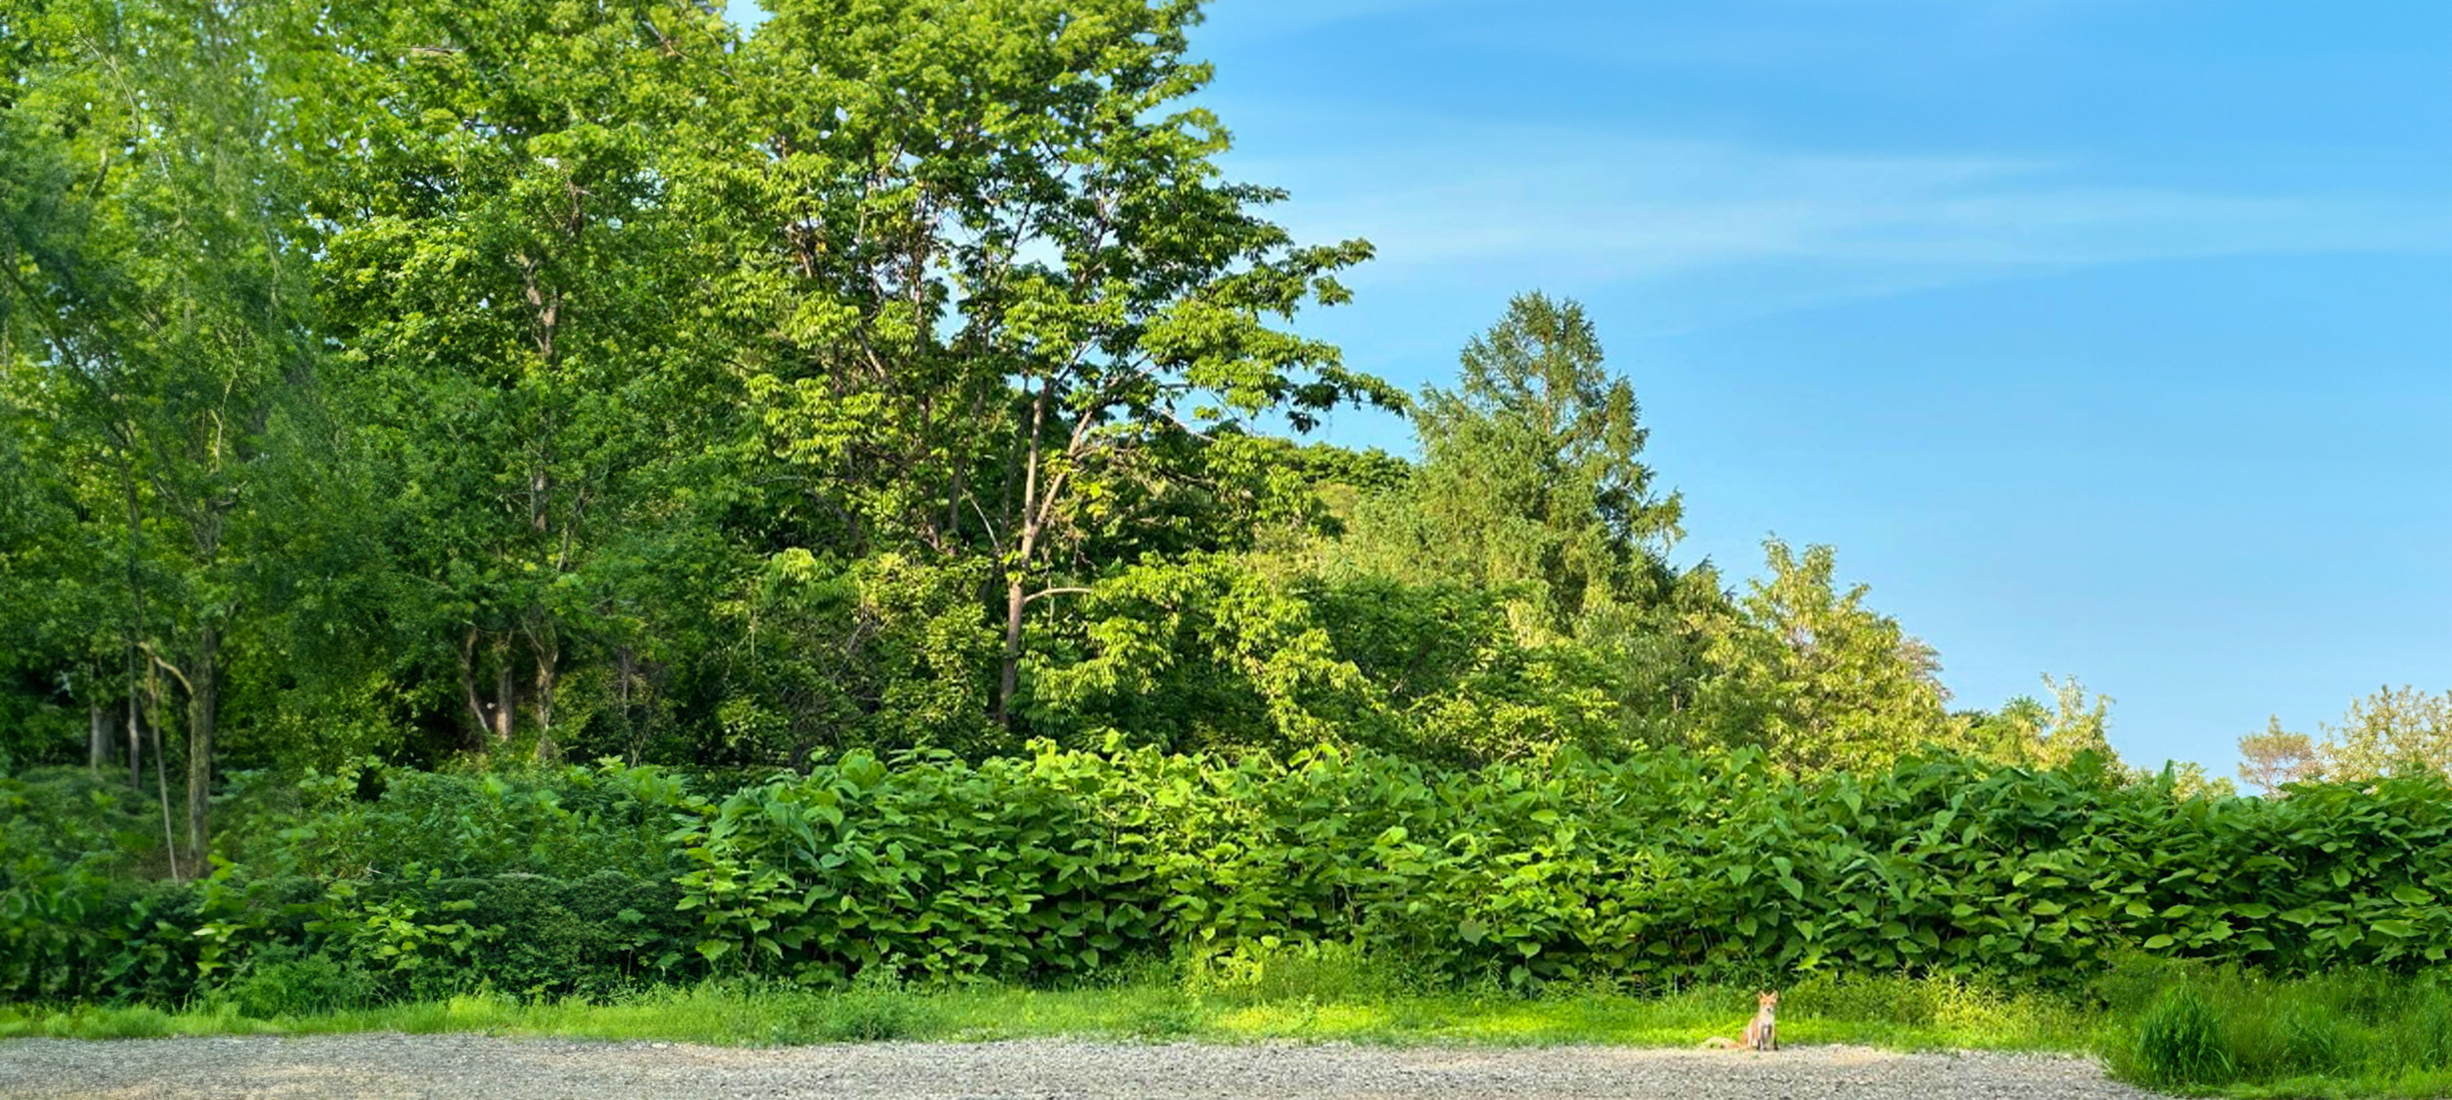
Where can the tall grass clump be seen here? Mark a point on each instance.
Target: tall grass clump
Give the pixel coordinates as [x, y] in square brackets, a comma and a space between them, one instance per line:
[2353, 1032]
[2180, 1043]
[874, 1009]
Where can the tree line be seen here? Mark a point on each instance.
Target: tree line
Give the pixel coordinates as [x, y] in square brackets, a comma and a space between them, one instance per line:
[2395, 731]
[440, 380]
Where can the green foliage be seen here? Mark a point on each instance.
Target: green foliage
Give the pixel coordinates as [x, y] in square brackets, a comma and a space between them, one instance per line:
[1200, 654]
[1653, 871]
[2395, 731]
[2392, 732]
[424, 392]
[362, 884]
[1531, 484]
[1453, 683]
[565, 823]
[463, 382]
[932, 868]
[590, 937]
[154, 300]
[280, 983]
[2276, 758]
[424, 947]
[1531, 502]
[2175, 1025]
[2026, 732]
[1220, 653]
[1644, 873]
[1815, 678]
[73, 918]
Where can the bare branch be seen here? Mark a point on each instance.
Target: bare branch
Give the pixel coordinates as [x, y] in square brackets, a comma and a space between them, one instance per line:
[166, 666]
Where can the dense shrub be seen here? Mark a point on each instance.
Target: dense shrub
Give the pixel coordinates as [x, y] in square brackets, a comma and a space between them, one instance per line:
[568, 823]
[544, 885]
[590, 937]
[1013, 868]
[1670, 867]
[279, 981]
[1665, 869]
[75, 915]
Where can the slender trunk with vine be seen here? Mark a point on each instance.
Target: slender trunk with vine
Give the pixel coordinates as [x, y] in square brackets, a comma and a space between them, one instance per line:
[136, 624]
[493, 719]
[136, 749]
[545, 642]
[1017, 576]
[203, 710]
[97, 738]
[161, 776]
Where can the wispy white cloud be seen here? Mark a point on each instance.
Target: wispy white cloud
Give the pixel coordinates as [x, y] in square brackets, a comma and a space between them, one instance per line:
[1593, 206]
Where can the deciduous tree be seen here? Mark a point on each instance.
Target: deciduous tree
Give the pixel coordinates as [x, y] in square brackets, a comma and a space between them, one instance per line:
[2394, 731]
[157, 261]
[1814, 677]
[2276, 758]
[1003, 276]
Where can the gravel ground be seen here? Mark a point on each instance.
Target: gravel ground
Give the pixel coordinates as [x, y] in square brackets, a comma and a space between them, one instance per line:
[465, 1067]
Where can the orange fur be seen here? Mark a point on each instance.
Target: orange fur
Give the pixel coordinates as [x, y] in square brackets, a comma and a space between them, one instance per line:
[1760, 1034]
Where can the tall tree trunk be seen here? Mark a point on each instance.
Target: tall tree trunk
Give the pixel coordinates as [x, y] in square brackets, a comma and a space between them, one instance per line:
[136, 623]
[506, 693]
[1017, 576]
[203, 706]
[1009, 676]
[626, 668]
[161, 775]
[97, 738]
[548, 647]
[468, 685]
[493, 719]
[136, 748]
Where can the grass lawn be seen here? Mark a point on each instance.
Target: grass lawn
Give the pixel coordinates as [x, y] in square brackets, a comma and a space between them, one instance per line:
[1932, 1016]
[2341, 1036]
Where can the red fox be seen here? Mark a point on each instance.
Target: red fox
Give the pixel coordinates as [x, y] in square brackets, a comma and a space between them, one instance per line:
[1763, 1033]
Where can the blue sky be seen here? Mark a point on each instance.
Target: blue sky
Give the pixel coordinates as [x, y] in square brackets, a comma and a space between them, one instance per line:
[2105, 337]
